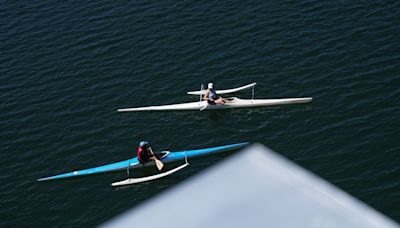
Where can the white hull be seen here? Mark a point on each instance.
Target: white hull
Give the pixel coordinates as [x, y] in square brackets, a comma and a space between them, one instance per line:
[225, 91]
[234, 102]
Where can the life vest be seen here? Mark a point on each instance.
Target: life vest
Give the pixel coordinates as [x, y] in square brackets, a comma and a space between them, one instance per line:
[212, 95]
[143, 155]
[139, 153]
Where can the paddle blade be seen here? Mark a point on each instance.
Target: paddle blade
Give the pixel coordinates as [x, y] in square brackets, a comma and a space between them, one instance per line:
[159, 164]
[205, 106]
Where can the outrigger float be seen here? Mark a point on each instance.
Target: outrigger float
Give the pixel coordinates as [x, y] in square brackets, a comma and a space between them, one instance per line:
[133, 163]
[233, 102]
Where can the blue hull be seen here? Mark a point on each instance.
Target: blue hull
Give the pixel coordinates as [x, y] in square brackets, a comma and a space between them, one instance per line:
[134, 163]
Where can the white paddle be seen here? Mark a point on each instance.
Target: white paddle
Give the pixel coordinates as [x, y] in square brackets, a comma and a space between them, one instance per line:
[204, 107]
[201, 98]
[201, 90]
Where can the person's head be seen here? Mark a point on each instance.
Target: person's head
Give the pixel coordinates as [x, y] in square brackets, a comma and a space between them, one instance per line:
[143, 144]
[210, 85]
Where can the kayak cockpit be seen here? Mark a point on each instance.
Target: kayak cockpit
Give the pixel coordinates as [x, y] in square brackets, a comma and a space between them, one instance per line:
[162, 154]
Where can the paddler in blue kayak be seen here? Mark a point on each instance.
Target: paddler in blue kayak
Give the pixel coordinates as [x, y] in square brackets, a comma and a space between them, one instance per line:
[144, 152]
[212, 97]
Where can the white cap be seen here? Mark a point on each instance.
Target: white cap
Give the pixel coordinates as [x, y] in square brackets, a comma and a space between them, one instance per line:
[210, 85]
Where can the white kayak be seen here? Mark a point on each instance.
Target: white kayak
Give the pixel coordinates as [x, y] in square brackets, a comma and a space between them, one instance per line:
[233, 102]
[225, 91]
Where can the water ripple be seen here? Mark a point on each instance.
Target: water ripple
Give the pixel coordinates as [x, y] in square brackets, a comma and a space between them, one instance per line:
[66, 67]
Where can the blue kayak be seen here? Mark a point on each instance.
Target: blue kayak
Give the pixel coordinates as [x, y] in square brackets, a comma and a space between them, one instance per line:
[132, 163]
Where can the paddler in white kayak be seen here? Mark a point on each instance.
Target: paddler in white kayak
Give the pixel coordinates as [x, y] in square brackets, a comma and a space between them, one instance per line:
[212, 97]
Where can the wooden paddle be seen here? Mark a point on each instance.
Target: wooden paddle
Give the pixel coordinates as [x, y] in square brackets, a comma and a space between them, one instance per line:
[159, 164]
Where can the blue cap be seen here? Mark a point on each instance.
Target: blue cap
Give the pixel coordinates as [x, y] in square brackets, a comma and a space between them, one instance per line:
[143, 144]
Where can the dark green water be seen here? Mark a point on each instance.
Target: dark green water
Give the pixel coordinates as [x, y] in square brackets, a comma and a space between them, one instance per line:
[66, 67]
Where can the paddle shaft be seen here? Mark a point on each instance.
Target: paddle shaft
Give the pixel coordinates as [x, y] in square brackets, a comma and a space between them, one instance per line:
[202, 98]
[159, 164]
[201, 89]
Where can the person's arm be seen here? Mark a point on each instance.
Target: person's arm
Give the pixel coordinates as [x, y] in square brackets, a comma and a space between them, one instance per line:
[152, 156]
[159, 164]
[206, 95]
